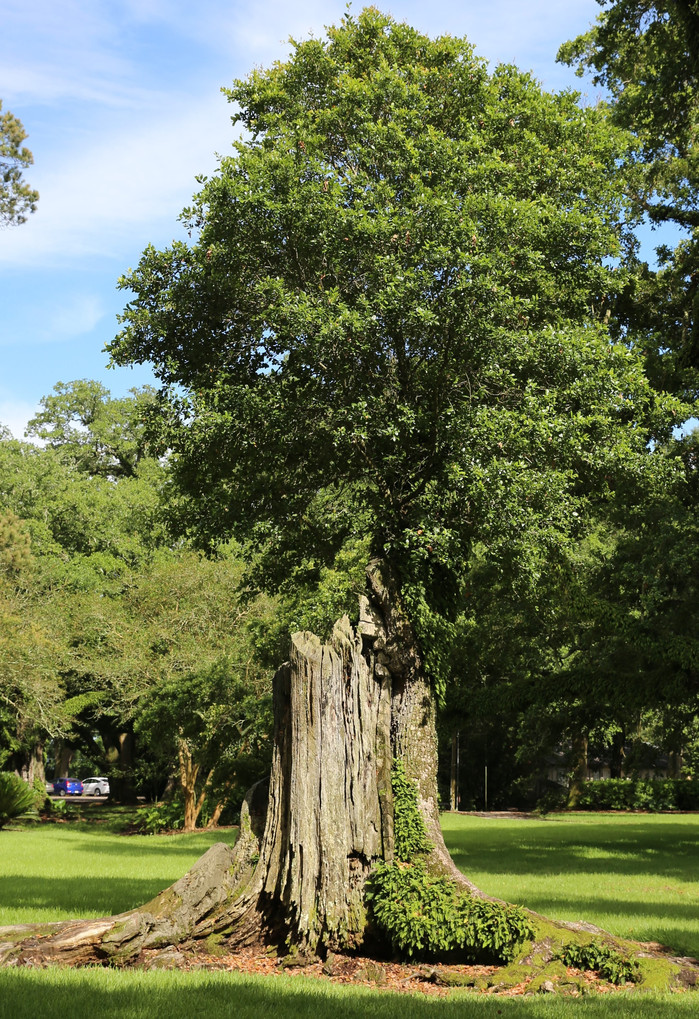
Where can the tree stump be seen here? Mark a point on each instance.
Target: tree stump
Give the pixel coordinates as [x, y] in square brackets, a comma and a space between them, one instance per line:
[310, 836]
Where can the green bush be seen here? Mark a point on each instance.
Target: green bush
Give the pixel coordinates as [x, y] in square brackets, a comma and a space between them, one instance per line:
[16, 797]
[423, 914]
[160, 817]
[610, 965]
[640, 794]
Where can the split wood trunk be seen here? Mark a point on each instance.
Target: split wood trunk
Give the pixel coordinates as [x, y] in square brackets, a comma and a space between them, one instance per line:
[311, 836]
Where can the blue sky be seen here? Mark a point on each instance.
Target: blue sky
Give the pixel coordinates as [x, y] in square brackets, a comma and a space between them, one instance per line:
[122, 103]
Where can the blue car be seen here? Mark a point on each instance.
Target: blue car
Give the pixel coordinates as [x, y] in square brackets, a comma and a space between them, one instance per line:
[68, 787]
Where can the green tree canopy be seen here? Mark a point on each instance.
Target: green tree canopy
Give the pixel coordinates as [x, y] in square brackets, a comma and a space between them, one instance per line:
[646, 54]
[100, 434]
[387, 325]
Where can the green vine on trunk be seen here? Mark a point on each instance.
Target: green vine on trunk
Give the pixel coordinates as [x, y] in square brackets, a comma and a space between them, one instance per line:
[409, 831]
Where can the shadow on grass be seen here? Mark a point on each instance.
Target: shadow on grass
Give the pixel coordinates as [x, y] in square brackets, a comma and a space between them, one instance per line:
[630, 850]
[77, 894]
[25, 994]
[161, 845]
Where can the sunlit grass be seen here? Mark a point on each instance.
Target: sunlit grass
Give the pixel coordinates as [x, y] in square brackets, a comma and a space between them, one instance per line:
[633, 874]
[636, 875]
[57, 994]
[63, 871]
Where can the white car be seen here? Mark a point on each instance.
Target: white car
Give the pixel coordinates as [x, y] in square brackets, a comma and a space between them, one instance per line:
[96, 786]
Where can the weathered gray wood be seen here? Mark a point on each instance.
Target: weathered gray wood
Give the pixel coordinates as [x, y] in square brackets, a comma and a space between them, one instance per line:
[299, 870]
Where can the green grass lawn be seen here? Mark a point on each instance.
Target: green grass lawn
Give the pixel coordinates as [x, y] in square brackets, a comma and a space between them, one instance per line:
[63, 871]
[98, 994]
[633, 874]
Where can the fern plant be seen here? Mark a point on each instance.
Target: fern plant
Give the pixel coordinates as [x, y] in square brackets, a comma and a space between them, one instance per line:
[16, 798]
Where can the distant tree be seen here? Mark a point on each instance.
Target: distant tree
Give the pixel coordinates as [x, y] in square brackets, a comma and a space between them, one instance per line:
[17, 199]
[212, 728]
[100, 434]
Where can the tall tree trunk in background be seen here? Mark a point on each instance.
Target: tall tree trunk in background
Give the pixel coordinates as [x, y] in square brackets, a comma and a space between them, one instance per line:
[64, 756]
[35, 768]
[617, 754]
[674, 764]
[29, 764]
[578, 762]
[119, 751]
[188, 775]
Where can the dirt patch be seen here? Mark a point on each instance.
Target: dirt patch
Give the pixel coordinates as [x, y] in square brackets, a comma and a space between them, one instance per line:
[364, 971]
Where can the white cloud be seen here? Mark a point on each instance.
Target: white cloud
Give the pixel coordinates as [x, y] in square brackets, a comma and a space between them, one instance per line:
[124, 164]
[14, 414]
[109, 195]
[46, 320]
[77, 316]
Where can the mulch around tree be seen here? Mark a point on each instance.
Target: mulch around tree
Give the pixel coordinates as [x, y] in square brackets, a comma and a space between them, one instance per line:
[362, 970]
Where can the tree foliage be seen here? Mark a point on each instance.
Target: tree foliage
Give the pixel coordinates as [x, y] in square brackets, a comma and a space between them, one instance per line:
[646, 54]
[100, 434]
[100, 609]
[17, 198]
[388, 328]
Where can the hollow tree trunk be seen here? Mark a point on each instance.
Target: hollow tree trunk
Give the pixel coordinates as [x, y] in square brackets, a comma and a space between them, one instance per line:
[311, 835]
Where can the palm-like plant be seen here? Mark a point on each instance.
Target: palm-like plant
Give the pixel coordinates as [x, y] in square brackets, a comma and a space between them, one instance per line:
[16, 797]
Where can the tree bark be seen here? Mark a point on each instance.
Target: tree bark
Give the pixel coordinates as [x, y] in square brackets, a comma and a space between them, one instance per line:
[36, 770]
[64, 755]
[29, 764]
[578, 769]
[188, 776]
[119, 748]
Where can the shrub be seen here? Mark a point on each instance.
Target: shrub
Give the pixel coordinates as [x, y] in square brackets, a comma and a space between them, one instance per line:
[423, 914]
[160, 817]
[16, 797]
[553, 799]
[640, 794]
[610, 965]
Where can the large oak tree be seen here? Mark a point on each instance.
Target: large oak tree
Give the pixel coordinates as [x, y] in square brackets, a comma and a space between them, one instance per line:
[386, 334]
